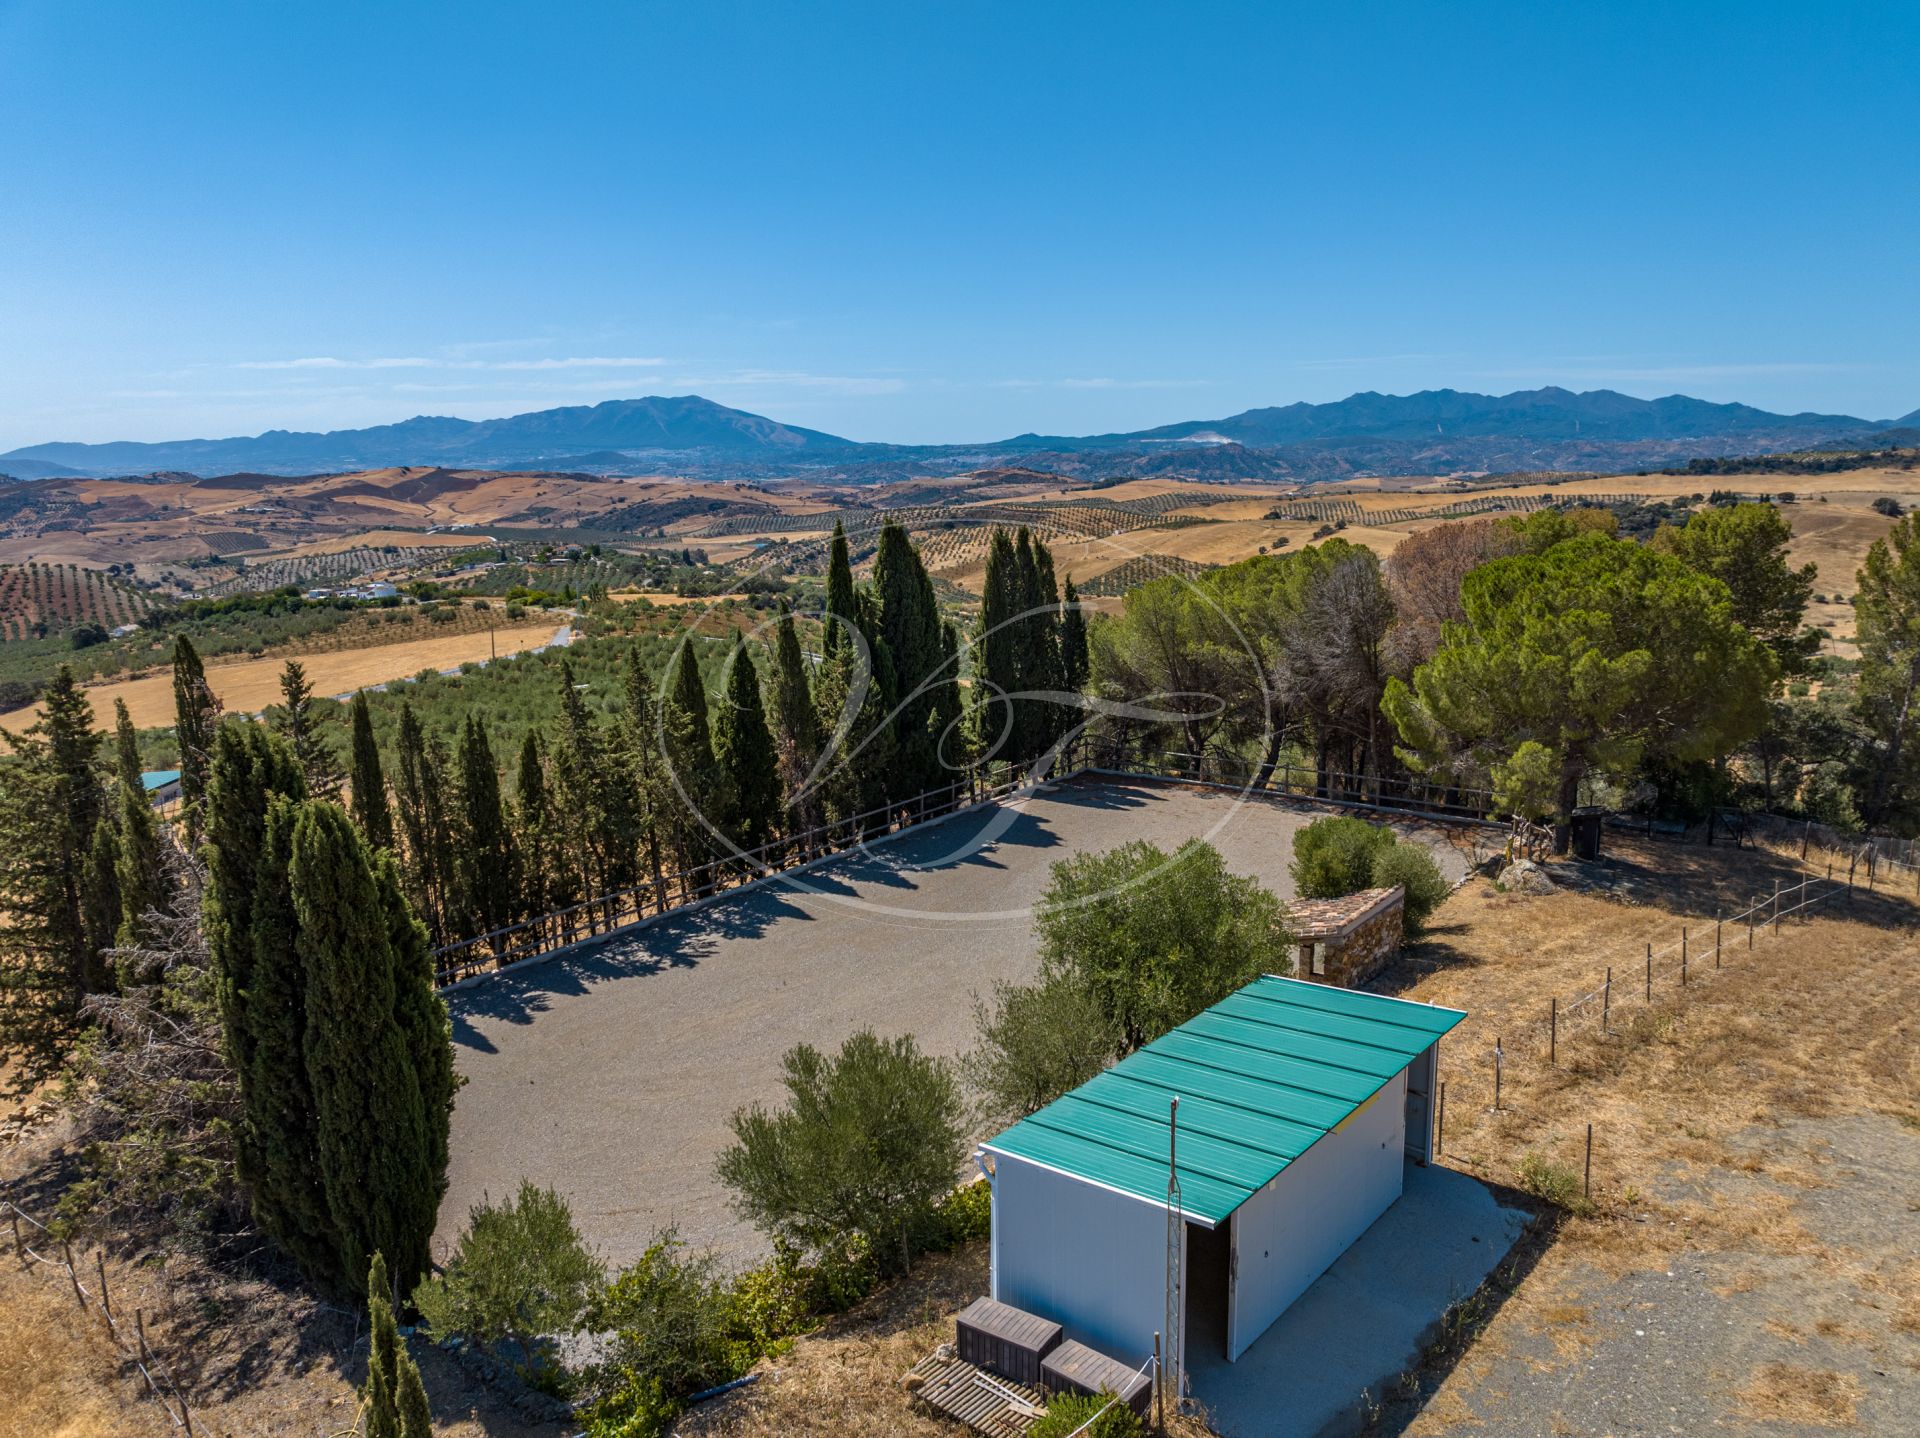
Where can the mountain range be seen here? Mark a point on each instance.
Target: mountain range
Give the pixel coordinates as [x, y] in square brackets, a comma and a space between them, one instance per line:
[1432, 432]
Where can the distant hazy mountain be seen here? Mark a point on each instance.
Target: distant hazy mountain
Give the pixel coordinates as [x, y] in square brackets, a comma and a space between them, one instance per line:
[1433, 432]
[688, 426]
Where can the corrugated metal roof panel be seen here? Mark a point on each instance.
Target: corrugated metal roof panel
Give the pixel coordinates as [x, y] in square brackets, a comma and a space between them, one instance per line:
[1261, 1076]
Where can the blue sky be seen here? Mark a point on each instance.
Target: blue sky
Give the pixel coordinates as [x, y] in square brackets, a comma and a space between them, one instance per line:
[944, 222]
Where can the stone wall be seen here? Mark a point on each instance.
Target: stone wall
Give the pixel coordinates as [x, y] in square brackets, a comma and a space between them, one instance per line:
[1357, 950]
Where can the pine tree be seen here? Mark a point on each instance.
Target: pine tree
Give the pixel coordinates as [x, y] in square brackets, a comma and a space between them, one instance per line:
[842, 607]
[140, 875]
[297, 722]
[370, 808]
[483, 856]
[743, 750]
[375, 1131]
[196, 713]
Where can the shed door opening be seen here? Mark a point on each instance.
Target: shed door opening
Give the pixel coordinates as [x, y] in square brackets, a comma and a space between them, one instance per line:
[1420, 1075]
[1209, 1254]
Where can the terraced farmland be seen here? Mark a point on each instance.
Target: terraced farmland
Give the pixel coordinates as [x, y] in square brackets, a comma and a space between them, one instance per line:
[339, 567]
[47, 598]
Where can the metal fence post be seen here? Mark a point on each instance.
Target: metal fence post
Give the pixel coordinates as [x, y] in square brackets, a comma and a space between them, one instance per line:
[1553, 1031]
[1586, 1183]
[1606, 1000]
[1683, 956]
[1649, 972]
[1716, 938]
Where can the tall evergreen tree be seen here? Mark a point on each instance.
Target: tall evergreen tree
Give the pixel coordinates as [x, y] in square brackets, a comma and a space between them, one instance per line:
[483, 856]
[196, 714]
[279, 1147]
[380, 1401]
[796, 726]
[1075, 662]
[645, 767]
[59, 896]
[594, 794]
[425, 824]
[743, 752]
[297, 722]
[370, 808]
[373, 1124]
[843, 610]
[544, 885]
[688, 740]
[421, 1015]
[996, 669]
[140, 877]
[908, 622]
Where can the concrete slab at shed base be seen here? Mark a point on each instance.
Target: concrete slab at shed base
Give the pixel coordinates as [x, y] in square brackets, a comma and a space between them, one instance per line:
[1366, 1320]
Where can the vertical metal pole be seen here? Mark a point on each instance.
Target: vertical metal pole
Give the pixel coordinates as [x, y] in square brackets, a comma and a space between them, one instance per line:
[1716, 938]
[100, 1267]
[1750, 912]
[1440, 1129]
[1586, 1183]
[1606, 1000]
[1683, 956]
[1776, 906]
[1649, 972]
[1553, 1031]
[1159, 1389]
[1499, 1062]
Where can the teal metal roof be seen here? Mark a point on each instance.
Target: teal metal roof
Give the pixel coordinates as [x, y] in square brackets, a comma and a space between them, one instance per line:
[158, 779]
[1260, 1076]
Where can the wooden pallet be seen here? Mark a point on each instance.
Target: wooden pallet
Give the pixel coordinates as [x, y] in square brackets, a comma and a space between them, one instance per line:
[986, 1404]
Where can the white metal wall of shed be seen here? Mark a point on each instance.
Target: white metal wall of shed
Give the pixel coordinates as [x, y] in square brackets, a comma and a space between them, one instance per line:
[1092, 1260]
[1290, 1232]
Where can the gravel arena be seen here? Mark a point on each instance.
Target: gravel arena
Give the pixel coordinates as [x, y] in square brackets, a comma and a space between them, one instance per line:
[609, 1071]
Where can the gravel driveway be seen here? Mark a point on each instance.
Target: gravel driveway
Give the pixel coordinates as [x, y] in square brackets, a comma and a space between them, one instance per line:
[610, 1072]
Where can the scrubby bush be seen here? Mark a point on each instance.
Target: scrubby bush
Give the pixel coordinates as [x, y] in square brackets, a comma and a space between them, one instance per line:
[868, 1145]
[1068, 1411]
[669, 1335]
[1335, 856]
[519, 1270]
[1558, 1183]
[1410, 866]
[1037, 1041]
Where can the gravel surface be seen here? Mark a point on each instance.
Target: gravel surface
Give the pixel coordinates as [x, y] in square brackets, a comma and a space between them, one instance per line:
[610, 1072]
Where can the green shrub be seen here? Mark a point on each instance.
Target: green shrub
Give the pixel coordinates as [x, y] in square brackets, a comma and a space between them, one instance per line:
[1068, 1411]
[519, 1270]
[1411, 867]
[1036, 1042]
[1335, 856]
[868, 1145]
[966, 1214]
[669, 1326]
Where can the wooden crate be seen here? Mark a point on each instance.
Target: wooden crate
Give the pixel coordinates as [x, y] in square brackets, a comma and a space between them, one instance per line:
[1004, 1340]
[1076, 1368]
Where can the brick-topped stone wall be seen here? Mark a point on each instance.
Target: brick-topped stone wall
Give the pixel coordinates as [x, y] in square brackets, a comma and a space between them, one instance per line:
[1346, 941]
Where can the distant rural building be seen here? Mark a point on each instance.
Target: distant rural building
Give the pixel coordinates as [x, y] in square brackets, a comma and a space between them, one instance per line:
[121, 631]
[1346, 941]
[162, 786]
[1299, 1106]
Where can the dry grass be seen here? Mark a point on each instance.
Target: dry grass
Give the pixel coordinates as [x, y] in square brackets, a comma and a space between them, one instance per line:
[1787, 1393]
[59, 1376]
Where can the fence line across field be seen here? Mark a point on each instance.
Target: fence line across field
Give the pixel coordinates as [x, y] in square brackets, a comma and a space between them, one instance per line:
[140, 1353]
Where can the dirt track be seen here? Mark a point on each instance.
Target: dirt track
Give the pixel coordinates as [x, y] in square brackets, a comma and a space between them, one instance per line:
[610, 1074]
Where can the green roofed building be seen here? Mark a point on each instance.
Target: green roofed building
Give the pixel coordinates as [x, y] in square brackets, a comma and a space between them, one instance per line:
[1299, 1106]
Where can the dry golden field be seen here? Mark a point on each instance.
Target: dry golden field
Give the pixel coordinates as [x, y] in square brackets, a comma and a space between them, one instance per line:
[247, 686]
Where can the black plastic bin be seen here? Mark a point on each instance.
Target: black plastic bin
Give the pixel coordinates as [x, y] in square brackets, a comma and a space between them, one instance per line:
[1585, 836]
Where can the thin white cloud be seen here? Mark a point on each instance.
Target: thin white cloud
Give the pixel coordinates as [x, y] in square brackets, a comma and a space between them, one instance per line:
[329, 362]
[1100, 382]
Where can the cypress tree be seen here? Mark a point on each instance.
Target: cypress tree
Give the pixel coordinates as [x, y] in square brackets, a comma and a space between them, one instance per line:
[370, 808]
[100, 893]
[381, 1399]
[299, 725]
[196, 714]
[908, 624]
[483, 857]
[140, 876]
[425, 824]
[375, 1137]
[416, 1413]
[996, 670]
[421, 1015]
[594, 794]
[542, 889]
[1075, 664]
[796, 725]
[743, 750]
[698, 795]
[842, 608]
[642, 759]
[279, 1147]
